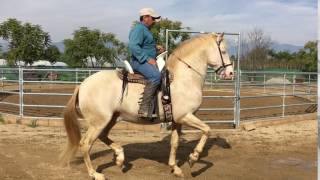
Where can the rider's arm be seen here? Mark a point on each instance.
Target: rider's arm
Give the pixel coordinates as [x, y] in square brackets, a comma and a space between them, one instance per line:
[135, 43]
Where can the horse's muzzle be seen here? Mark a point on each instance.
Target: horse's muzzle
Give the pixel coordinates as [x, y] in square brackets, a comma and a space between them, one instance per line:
[226, 75]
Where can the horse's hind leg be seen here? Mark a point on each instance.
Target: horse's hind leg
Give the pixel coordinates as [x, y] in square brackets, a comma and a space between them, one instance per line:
[193, 121]
[118, 150]
[174, 146]
[85, 146]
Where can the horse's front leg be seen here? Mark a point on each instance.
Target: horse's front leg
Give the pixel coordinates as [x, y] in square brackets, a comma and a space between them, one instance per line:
[174, 146]
[193, 121]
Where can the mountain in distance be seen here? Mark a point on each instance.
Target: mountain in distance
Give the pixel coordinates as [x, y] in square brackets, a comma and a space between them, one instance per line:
[286, 47]
[275, 46]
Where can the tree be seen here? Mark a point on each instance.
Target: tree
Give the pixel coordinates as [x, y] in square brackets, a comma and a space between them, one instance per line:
[92, 45]
[158, 30]
[27, 42]
[52, 54]
[308, 55]
[257, 47]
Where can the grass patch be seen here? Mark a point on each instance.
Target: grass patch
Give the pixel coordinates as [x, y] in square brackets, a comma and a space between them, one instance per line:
[33, 123]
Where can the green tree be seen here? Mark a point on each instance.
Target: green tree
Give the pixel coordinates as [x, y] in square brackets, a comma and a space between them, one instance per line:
[159, 29]
[27, 42]
[92, 45]
[308, 55]
[52, 54]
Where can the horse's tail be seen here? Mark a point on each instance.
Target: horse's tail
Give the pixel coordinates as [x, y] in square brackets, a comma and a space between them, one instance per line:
[72, 128]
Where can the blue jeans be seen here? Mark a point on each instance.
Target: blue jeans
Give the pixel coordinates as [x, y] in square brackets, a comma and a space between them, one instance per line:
[149, 71]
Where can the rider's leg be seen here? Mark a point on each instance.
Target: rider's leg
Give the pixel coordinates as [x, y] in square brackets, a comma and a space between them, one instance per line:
[152, 73]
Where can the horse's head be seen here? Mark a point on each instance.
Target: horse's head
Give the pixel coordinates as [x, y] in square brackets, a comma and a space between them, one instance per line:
[218, 57]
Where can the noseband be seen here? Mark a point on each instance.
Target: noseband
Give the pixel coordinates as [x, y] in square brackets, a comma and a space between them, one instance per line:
[224, 65]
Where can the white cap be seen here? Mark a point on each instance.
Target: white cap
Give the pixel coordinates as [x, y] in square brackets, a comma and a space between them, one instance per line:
[148, 11]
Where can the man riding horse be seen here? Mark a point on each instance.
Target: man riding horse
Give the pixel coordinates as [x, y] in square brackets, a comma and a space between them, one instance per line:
[101, 105]
[144, 50]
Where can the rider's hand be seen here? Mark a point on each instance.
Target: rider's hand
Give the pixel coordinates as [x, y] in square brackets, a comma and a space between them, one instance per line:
[160, 49]
[152, 61]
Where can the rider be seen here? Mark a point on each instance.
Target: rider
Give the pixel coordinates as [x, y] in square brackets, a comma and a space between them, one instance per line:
[143, 49]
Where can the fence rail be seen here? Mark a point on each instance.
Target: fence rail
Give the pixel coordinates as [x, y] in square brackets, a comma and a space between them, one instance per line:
[225, 101]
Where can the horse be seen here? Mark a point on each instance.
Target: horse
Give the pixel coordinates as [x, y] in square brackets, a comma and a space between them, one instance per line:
[100, 102]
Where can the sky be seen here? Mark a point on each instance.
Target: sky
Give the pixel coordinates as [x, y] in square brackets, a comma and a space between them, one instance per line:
[285, 21]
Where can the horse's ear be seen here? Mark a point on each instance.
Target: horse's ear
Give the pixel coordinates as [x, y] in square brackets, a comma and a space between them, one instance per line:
[220, 37]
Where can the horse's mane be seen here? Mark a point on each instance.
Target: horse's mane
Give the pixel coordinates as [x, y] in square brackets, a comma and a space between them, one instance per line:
[191, 45]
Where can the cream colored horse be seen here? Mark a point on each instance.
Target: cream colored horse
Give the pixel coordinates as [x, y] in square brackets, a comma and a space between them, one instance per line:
[98, 99]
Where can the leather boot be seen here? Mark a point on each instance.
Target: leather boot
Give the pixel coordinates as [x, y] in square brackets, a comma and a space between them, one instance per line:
[147, 101]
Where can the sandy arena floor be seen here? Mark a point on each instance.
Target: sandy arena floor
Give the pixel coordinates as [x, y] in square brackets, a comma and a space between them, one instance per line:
[279, 152]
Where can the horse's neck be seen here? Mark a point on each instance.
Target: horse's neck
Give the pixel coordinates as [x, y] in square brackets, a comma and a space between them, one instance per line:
[189, 75]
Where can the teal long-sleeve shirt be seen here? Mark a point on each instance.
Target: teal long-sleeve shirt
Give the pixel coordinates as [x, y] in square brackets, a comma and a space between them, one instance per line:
[141, 43]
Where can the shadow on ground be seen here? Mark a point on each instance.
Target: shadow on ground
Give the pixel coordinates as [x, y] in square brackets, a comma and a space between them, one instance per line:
[159, 151]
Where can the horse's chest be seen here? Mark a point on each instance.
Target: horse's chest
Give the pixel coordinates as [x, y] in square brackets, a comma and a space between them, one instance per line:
[189, 97]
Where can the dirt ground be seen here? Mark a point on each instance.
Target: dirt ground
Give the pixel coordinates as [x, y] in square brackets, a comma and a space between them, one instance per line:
[285, 151]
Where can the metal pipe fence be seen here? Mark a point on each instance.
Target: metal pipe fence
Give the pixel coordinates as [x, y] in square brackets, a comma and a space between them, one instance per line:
[248, 97]
[275, 94]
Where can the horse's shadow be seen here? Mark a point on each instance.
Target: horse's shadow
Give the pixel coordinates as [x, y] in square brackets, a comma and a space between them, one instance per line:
[159, 151]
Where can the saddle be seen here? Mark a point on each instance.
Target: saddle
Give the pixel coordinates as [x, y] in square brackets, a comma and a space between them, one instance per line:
[166, 79]
[137, 77]
[123, 74]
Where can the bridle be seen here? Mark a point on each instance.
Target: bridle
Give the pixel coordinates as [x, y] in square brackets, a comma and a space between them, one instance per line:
[224, 65]
[218, 70]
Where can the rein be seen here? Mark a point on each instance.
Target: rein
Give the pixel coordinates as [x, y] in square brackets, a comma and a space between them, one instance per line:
[189, 66]
[222, 67]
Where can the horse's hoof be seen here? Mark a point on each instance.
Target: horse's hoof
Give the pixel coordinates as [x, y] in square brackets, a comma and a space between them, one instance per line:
[98, 176]
[177, 172]
[120, 164]
[192, 159]
[191, 163]
[180, 175]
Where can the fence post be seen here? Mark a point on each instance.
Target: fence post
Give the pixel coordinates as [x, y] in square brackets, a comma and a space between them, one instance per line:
[77, 75]
[235, 110]
[294, 84]
[264, 82]
[238, 83]
[167, 43]
[237, 99]
[21, 91]
[2, 83]
[211, 80]
[284, 95]
[309, 84]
